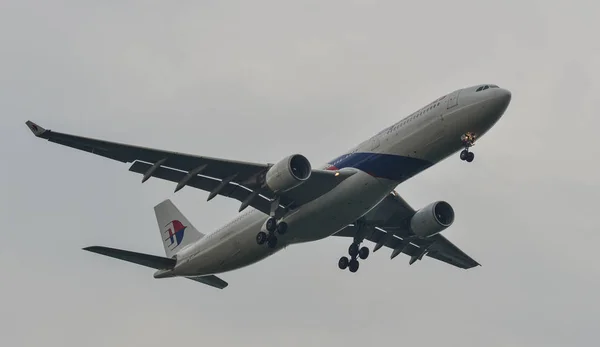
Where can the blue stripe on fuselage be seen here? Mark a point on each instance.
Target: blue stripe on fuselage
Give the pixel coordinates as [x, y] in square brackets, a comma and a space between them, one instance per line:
[390, 166]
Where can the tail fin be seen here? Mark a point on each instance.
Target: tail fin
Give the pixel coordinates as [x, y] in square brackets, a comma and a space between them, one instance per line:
[175, 230]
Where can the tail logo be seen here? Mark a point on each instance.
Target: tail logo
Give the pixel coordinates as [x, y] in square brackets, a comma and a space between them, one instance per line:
[174, 233]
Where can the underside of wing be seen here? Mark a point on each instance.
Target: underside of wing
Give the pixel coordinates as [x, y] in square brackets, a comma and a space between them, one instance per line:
[446, 251]
[243, 181]
[320, 182]
[388, 225]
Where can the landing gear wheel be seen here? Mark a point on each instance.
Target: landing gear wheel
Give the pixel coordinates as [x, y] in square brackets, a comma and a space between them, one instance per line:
[353, 265]
[464, 154]
[363, 253]
[271, 224]
[353, 250]
[468, 141]
[343, 263]
[282, 228]
[272, 242]
[470, 157]
[261, 238]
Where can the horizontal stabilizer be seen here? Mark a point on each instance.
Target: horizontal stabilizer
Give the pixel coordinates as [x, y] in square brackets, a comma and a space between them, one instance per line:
[148, 260]
[211, 280]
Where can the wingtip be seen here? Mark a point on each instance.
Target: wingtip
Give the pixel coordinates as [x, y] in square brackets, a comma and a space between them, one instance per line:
[35, 129]
[93, 249]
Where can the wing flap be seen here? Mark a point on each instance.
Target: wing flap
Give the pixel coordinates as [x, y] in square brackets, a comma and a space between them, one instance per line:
[151, 261]
[208, 184]
[388, 240]
[318, 184]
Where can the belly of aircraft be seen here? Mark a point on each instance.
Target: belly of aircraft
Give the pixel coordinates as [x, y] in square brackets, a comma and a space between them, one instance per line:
[335, 210]
[316, 220]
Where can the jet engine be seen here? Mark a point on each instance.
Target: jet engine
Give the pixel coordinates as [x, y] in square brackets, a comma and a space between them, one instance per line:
[432, 219]
[287, 174]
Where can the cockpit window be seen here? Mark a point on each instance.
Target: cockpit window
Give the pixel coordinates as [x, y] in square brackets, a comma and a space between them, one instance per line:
[487, 86]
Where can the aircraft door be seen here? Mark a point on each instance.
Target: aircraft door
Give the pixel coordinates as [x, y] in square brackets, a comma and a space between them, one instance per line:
[452, 99]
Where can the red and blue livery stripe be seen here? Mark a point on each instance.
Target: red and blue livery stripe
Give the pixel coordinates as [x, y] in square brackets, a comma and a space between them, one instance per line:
[389, 166]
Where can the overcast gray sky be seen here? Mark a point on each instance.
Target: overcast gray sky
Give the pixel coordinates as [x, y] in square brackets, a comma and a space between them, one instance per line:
[258, 81]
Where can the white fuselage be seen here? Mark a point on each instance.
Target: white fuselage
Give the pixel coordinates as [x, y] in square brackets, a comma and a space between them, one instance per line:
[392, 156]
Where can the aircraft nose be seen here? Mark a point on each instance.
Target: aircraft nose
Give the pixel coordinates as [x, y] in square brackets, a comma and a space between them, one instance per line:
[501, 99]
[503, 96]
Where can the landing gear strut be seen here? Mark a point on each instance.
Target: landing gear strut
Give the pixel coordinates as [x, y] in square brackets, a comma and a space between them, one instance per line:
[272, 227]
[468, 141]
[354, 252]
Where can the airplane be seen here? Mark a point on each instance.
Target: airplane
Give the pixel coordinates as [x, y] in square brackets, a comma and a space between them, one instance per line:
[291, 202]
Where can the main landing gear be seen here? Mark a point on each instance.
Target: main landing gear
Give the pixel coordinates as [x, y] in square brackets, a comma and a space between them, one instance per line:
[468, 141]
[354, 252]
[272, 226]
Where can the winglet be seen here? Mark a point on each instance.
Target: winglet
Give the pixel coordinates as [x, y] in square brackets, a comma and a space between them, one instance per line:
[35, 129]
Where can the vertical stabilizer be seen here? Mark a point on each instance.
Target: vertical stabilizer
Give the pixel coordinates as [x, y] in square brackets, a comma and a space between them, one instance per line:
[175, 230]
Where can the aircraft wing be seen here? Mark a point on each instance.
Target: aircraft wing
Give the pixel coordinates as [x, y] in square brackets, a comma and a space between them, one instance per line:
[388, 225]
[236, 179]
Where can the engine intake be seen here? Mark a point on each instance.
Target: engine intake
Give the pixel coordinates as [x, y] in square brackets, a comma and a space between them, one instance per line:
[287, 174]
[432, 219]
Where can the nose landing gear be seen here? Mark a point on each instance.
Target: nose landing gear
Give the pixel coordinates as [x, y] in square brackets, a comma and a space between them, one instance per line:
[272, 226]
[468, 141]
[467, 156]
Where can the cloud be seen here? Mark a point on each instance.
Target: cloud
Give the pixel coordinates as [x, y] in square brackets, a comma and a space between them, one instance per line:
[260, 80]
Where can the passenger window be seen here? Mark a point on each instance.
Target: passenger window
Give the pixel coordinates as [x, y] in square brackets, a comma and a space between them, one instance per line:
[479, 89]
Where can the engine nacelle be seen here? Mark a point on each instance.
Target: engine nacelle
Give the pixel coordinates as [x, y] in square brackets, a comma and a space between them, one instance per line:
[288, 173]
[432, 219]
